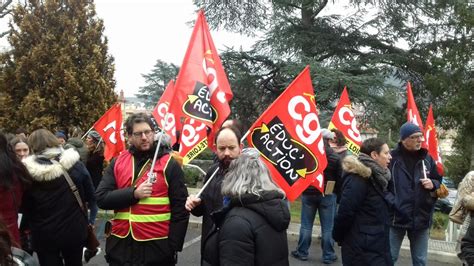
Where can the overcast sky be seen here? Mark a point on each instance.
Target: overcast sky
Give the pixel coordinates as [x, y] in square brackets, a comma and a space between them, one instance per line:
[142, 31]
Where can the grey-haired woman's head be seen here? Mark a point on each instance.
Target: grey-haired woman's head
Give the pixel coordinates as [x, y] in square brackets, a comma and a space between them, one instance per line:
[247, 174]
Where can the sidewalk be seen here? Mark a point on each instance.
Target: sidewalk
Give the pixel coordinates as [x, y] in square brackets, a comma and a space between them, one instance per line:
[438, 250]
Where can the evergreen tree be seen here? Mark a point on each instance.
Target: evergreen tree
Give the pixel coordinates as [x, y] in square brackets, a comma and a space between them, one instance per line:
[373, 48]
[156, 82]
[58, 72]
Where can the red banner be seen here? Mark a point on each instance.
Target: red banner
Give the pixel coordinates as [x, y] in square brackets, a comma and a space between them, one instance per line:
[109, 126]
[288, 136]
[344, 120]
[413, 115]
[431, 140]
[165, 117]
[193, 139]
[202, 91]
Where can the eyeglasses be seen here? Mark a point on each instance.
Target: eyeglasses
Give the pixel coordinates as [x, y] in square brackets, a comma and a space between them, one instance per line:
[416, 137]
[147, 133]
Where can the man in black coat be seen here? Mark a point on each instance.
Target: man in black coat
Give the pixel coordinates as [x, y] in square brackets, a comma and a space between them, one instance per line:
[411, 193]
[150, 220]
[228, 147]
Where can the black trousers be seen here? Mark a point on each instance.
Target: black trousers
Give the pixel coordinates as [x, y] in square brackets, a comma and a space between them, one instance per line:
[128, 252]
[53, 256]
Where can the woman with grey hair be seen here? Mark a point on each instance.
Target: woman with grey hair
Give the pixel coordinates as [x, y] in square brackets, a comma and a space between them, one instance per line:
[251, 228]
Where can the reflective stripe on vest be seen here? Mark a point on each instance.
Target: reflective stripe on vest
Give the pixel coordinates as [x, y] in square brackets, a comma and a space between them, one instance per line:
[155, 200]
[148, 219]
[142, 218]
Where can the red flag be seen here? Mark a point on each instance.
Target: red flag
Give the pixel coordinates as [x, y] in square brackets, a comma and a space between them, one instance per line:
[344, 120]
[193, 139]
[165, 117]
[288, 136]
[431, 140]
[202, 91]
[413, 115]
[109, 128]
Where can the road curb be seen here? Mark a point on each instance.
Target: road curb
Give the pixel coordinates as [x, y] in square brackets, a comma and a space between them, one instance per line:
[293, 230]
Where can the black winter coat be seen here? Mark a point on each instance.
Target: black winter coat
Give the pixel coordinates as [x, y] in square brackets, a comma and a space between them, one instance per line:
[332, 172]
[211, 200]
[250, 231]
[361, 224]
[411, 204]
[95, 166]
[50, 206]
[467, 243]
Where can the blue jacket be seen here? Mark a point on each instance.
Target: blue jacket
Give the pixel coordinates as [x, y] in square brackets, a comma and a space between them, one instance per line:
[411, 204]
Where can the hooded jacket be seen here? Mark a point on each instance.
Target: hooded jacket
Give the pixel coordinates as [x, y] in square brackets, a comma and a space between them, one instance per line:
[249, 231]
[78, 145]
[411, 204]
[53, 212]
[361, 224]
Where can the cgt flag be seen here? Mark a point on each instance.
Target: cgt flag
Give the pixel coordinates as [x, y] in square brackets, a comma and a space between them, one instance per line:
[344, 120]
[193, 139]
[431, 140]
[109, 128]
[288, 136]
[164, 116]
[413, 115]
[202, 91]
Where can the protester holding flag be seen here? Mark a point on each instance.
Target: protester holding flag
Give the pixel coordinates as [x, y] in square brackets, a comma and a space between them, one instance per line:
[314, 201]
[361, 225]
[228, 147]
[95, 166]
[251, 228]
[150, 221]
[414, 177]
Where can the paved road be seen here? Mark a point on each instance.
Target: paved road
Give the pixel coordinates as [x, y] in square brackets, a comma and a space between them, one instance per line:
[191, 252]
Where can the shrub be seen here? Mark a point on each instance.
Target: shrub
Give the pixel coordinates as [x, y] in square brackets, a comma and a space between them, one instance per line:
[207, 154]
[440, 221]
[191, 176]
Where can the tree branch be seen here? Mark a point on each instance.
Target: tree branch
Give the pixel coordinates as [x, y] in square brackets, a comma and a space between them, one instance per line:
[319, 9]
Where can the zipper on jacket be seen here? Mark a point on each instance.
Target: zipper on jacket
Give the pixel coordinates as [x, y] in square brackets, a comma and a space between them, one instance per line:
[394, 193]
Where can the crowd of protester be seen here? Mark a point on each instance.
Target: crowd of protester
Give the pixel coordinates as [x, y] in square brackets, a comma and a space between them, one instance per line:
[376, 198]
